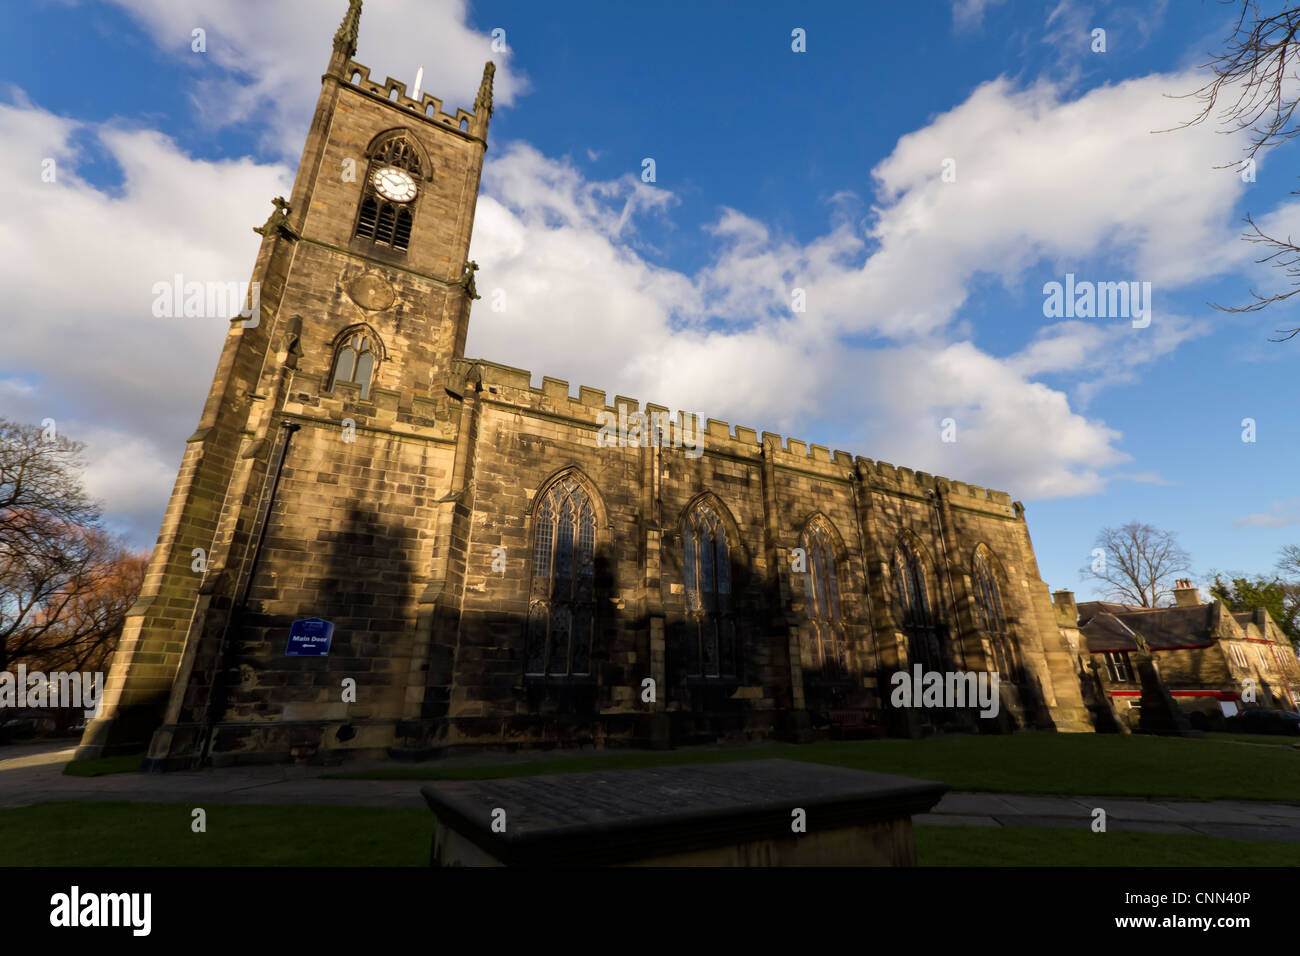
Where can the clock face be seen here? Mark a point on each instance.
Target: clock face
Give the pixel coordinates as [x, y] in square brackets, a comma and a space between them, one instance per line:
[394, 184]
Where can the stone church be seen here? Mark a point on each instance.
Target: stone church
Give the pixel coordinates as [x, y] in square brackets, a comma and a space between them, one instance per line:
[497, 574]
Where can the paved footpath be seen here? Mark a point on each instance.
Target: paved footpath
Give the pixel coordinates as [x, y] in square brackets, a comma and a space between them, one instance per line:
[33, 773]
[1234, 819]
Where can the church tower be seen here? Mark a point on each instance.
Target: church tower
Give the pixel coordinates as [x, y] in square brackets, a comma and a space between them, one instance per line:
[319, 473]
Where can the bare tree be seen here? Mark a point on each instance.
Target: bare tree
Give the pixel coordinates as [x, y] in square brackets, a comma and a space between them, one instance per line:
[1254, 90]
[1288, 561]
[77, 628]
[54, 559]
[62, 607]
[1137, 563]
[1288, 572]
[40, 480]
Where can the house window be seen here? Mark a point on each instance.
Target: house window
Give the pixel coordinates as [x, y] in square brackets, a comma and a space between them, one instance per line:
[1238, 655]
[1119, 667]
[562, 601]
[354, 362]
[393, 182]
[914, 600]
[823, 600]
[989, 615]
[1259, 656]
[709, 632]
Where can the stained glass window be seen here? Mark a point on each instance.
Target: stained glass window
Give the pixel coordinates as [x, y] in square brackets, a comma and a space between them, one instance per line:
[708, 636]
[562, 612]
[914, 600]
[989, 615]
[823, 609]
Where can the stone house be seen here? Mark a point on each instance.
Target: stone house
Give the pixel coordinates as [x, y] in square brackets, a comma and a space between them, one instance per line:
[1206, 654]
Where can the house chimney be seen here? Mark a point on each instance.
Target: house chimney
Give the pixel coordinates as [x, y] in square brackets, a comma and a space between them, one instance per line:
[1185, 595]
[1067, 613]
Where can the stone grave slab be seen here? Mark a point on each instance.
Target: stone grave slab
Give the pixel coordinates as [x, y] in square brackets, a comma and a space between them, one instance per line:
[728, 814]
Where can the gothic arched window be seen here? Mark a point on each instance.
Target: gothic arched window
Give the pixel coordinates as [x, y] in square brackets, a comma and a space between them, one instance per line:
[823, 601]
[355, 362]
[393, 180]
[917, 616]
[709, 633]
[988, 606]
[562, 603]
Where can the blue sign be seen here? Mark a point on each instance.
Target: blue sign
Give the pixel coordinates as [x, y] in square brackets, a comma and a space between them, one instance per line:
[310, 637]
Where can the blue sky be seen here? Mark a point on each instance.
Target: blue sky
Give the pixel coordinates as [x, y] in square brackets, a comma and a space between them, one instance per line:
[774, 170]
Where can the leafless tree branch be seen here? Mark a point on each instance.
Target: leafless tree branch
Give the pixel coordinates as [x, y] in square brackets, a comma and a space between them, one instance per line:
[1140, 564]
[1255, 89]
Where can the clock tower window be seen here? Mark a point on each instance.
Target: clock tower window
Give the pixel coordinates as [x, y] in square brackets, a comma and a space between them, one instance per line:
[392, 185]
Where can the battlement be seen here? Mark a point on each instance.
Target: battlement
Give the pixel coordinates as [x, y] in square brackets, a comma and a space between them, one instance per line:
[920, 482]
[514, 386]
[344, 67]
[427, 106]
[388, 410]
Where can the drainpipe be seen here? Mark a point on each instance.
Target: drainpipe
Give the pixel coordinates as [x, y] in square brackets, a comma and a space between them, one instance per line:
[243, 585]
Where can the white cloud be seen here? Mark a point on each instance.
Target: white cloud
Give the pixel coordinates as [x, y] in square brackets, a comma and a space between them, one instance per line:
[968, 14]
[1148, 478]
[16, 389]
[1040, 177]
[580, 307]
[78, 266]
[1283, 514]
[268, 52]
[130, 472]
[1011, 432]
[1069, 25]
[1103, 355]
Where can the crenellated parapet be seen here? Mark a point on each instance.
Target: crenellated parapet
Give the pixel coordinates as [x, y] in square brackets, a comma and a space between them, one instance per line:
[427, 106]
[885, 475]
[386, 410]
[344, 67]
[590, 407]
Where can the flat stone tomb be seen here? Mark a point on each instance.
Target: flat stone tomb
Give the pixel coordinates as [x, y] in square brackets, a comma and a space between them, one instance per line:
[727, 814]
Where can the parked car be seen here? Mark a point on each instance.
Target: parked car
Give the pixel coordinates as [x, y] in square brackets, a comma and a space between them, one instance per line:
[1265, 722]
[25, 724]
[18, 728]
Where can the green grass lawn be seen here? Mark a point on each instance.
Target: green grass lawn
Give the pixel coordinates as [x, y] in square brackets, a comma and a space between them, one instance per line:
[101, 766]
[159, 834]
[1274, 740]
[1082, 764]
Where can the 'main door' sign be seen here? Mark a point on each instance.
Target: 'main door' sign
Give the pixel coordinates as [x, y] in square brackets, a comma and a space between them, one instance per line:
[310, 637]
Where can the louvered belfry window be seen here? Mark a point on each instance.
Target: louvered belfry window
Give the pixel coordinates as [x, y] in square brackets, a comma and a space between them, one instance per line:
[562, 602]
[383, 221]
